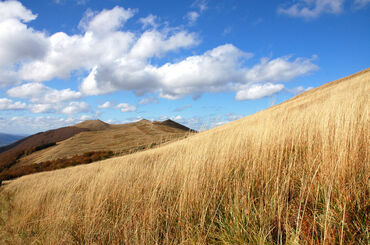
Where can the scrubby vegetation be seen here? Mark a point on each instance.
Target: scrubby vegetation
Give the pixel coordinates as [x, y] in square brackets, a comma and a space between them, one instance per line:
[297, 173]
[12, 159]
[85, 158]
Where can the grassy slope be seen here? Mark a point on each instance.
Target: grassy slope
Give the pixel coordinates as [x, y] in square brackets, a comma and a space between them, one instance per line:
[297, 172]
[121, 139]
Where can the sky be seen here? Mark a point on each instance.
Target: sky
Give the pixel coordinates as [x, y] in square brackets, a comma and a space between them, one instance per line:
[202, 63]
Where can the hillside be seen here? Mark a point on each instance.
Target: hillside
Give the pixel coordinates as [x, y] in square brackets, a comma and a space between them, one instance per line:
[6, 139]
[121, 139]
[89, 136]
[10, 152]
[296, 173]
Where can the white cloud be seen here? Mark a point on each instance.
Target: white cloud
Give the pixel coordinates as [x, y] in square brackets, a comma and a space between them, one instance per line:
[118, 59]
[45, 103]
[39, 93]
[192, 17]
[101, 43]
[280, 69]
[177, 118]
[7, 104]
[133, 72]
[213, 71]
[298, 90]
[155, 43]
[125, 107]
[87, 117]
[8, 77]
[76, 107]
[70, 53]
[148, 100]
[106, 21]
[35, 124]
[105, 105]
[216, 70]
[149, 21]
[311, 8]
[361, 3]
[70, 108]
[43, 108]
[18, 43]
[94, 51]
[258, 91]
[200, 4]
[15, 10]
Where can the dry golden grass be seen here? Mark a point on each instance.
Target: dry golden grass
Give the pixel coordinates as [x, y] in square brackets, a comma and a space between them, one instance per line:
[297, 173]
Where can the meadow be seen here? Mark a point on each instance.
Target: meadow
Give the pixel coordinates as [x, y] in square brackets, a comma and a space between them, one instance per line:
[296, 173]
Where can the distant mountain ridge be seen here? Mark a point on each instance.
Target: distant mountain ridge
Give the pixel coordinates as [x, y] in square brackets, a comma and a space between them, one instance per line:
[6, 139]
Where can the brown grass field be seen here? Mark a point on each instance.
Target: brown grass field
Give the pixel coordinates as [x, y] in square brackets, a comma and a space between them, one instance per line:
[297, 173]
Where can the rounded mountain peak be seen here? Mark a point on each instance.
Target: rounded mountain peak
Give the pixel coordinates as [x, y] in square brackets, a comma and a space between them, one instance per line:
[93, 125]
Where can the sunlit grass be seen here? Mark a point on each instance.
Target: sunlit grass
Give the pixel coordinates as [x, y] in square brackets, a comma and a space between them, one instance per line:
[296, 173]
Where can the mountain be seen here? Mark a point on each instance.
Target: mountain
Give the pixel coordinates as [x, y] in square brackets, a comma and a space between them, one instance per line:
[174, 124]
[6, 139]
[296, 173]
[85, 137]
[93, 125]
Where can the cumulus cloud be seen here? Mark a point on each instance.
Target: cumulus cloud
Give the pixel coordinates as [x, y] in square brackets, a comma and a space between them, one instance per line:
[39, 93]
[18, 43]
[258, 91]
[76, 107]
[70, 53]
[70, 108]
[105, 105]
[101, 42]
[219, 69]
[118, 59]
[280, 69]
[15, 10]
[208, 72]
[106, 21]
[133, 72]
[43, 108]
[125, 107]
[311, 8]
[8, 104]
[102, 45]
[156, 43]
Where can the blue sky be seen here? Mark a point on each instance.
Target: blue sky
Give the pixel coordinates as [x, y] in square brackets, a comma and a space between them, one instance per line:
[201, 63]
